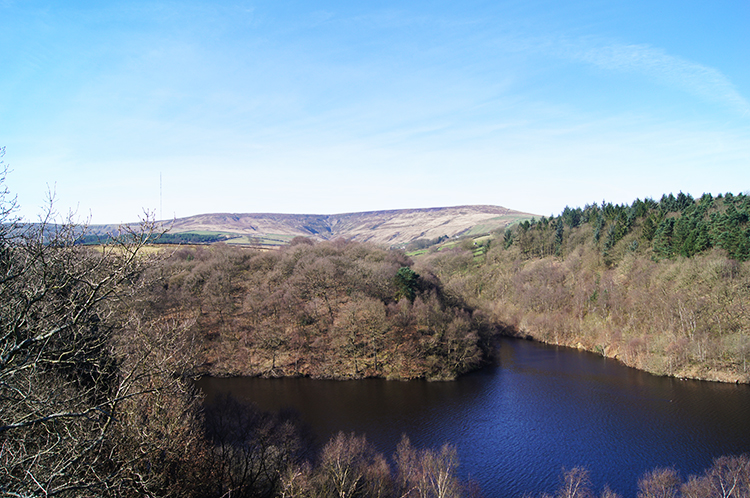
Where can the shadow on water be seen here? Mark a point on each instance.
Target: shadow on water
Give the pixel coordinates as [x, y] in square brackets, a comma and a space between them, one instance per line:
[519, 423]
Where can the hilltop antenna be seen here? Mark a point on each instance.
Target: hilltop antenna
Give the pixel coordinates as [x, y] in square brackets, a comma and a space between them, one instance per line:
[161, 215]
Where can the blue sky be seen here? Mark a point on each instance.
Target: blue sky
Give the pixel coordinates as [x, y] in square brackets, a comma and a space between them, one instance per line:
[332, 107]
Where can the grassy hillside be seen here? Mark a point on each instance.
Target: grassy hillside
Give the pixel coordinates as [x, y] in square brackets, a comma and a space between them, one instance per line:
[385, 228]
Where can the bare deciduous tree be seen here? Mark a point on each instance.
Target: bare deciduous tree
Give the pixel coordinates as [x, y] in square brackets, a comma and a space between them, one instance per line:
[427, 473]
[62, 385]
[659, 483]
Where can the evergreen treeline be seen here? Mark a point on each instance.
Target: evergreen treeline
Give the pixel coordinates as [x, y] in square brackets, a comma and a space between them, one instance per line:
[662, 286]
[161, 238]
[673, 226]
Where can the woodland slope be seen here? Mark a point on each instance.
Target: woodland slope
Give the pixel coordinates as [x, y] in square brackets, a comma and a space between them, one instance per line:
[663, 286]
[337, 309]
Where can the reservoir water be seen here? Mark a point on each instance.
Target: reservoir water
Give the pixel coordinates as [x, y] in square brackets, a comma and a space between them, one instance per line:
[517, 424]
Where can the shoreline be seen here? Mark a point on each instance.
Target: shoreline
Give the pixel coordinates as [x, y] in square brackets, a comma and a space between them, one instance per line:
[714, 374]
[279, 372]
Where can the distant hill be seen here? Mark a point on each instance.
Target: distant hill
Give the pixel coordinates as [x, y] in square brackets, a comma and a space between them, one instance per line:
[390, 228]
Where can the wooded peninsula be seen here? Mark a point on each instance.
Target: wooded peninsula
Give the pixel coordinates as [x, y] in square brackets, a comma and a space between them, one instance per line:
[338, 310]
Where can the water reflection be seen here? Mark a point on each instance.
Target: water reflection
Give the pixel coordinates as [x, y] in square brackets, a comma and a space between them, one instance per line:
[516, 425]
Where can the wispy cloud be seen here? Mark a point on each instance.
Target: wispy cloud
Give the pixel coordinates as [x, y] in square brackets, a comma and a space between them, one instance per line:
[697, 79]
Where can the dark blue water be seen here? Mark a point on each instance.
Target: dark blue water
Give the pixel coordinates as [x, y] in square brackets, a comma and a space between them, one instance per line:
[518, 424]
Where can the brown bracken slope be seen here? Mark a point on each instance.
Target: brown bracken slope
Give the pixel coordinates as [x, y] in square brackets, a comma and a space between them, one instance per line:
[379, 227]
